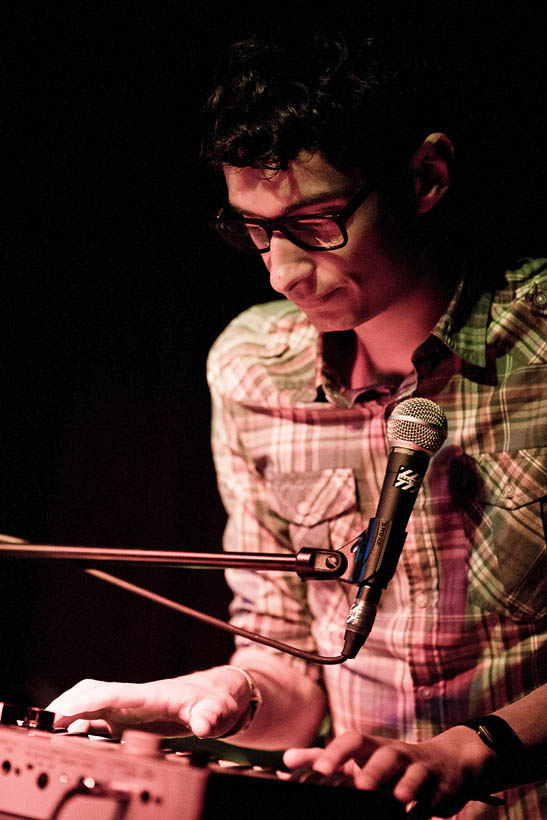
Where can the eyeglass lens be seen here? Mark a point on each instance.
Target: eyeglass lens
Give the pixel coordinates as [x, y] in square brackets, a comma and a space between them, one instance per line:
[320, 233]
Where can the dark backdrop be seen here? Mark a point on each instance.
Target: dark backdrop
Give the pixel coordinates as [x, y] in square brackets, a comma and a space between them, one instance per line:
[113, 292]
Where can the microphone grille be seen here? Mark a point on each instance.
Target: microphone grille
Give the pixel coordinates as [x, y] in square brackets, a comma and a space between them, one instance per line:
[418, 423]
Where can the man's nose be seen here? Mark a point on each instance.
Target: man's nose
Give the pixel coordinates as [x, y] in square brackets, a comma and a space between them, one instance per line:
[287, 264]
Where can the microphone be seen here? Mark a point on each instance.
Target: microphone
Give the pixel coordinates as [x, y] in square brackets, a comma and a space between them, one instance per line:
[416, 429]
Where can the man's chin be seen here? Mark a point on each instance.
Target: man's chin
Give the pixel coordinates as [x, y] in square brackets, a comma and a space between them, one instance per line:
[329, 323]
[327, 316]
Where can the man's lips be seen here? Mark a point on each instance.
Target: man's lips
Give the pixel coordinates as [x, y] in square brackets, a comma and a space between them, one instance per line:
[315, 300]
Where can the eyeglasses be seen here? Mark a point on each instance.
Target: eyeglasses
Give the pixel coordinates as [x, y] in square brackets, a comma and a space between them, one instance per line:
[313, 232]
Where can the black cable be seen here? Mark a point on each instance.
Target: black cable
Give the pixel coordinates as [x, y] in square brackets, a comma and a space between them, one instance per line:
[212, 621]
[89, 787]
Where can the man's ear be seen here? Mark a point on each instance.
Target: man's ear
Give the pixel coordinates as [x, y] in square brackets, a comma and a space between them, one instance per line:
[431, 165]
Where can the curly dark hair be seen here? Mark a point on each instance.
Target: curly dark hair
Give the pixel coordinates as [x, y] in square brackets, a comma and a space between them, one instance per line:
[364, 105]
[367, 103]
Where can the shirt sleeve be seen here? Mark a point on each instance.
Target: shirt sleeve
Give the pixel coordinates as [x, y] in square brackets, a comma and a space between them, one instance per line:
[270, 603]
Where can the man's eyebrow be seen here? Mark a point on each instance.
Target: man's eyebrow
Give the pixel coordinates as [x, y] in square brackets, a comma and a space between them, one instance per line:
[304, 202]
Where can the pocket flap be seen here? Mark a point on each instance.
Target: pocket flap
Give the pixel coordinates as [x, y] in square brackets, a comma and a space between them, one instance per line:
[513, 479]
[308, 499]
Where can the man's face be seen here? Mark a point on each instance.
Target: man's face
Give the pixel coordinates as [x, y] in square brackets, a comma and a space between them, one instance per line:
[340, 289]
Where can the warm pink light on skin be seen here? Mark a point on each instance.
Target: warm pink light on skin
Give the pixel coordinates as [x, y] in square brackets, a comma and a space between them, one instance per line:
[373, 285]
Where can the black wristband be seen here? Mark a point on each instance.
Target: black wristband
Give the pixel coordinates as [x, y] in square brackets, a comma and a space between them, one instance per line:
[496, 733]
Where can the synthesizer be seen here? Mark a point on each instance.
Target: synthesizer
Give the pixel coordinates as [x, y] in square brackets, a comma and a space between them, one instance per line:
[50, 775]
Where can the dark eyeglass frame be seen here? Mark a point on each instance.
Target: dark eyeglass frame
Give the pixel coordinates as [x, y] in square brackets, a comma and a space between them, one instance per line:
[282, 226]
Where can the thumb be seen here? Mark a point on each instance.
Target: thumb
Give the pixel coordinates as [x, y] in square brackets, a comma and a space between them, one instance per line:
[294, 758]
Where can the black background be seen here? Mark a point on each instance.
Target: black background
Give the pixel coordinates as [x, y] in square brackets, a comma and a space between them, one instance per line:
[114, 290]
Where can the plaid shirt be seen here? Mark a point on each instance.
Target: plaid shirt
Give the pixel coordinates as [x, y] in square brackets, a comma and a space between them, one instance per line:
[462, 628]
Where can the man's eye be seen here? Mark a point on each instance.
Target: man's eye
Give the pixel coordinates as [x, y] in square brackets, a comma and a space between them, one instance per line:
[314, 226]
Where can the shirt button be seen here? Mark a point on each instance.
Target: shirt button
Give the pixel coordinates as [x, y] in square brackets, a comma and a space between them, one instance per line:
[540, 298]
[509, 490]
[302, 508]
[427, 693]
[422, 599]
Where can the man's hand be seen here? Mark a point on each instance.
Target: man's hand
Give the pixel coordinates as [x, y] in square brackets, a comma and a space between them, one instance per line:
[206, 704]
[440, 775]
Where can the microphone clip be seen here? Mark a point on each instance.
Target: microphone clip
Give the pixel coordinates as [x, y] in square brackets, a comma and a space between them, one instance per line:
[374, 564]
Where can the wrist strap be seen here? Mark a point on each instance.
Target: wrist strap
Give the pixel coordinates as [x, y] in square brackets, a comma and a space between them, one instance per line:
[496, 733]
[255, 702]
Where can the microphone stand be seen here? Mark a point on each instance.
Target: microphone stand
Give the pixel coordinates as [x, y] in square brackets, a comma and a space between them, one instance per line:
[307, 563]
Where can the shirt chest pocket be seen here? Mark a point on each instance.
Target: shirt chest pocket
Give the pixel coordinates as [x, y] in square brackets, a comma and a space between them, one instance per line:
[505, 523]
[320, 507]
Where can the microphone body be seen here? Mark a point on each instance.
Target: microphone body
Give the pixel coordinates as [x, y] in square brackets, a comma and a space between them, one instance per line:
[417, 429]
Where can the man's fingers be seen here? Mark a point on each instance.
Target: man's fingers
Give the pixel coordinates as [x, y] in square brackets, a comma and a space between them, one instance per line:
[385, 766]
[58, 704]
[201, 704]
[102, 699]
[88, 698]
[78, 726]
[350, 745]
[294, 758]
[417, 782]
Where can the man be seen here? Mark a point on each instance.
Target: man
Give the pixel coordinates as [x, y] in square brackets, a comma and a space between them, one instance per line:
[338, 175]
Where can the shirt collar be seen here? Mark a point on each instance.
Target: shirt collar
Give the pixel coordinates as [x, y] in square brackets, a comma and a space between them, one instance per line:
[463, 327]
